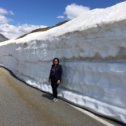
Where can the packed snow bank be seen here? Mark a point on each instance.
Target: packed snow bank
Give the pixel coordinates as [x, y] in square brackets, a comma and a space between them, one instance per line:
[92, 49]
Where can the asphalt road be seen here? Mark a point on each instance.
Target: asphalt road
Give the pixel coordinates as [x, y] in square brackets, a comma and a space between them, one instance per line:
[21, 105]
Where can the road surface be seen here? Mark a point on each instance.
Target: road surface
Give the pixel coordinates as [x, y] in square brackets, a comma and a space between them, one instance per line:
[21, 105]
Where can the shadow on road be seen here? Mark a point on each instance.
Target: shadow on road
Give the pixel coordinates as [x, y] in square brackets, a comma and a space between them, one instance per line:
[48, 96]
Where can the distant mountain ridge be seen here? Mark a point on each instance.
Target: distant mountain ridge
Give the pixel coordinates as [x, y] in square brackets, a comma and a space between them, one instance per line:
[3, 38]
[44, 29]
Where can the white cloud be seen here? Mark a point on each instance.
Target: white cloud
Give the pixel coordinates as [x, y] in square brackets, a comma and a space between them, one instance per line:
[3, 19]
[74, 10]
[60, 17]
[12, 31]
[3, 15]
[11, 12]
[3, 11]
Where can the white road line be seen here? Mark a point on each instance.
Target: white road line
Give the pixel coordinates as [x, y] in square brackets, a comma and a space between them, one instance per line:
[94, 116]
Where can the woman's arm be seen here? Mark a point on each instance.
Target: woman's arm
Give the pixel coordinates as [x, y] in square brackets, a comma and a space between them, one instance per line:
[50, 75]
[60, 71]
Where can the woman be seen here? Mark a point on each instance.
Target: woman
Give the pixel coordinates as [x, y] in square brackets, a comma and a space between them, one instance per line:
[55, 77]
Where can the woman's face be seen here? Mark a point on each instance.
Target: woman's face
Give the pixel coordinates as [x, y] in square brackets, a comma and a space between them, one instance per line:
[55, 61]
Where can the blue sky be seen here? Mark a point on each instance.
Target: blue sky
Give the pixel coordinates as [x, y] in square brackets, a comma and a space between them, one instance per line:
[21, 16]
[44, 12]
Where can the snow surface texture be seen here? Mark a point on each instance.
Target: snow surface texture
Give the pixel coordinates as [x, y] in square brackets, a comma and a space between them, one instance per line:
[92, 49]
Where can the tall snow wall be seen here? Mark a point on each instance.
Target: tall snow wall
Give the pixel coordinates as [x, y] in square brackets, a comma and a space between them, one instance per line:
[92, 50]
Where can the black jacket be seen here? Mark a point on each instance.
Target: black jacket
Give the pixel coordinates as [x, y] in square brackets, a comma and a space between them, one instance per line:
[56, 72]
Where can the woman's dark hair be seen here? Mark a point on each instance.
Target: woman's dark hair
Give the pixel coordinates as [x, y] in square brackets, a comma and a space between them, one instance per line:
[56, 59]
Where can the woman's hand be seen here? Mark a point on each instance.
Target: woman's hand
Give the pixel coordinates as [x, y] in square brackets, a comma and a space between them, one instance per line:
[58, 82]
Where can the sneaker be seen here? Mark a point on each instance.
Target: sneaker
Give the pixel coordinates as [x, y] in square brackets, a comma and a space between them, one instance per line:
[55, 99]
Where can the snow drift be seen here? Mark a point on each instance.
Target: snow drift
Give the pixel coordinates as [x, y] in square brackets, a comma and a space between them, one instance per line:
[92, 49]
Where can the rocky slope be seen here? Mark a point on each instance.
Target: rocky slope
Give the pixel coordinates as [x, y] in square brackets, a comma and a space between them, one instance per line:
[2, 38]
